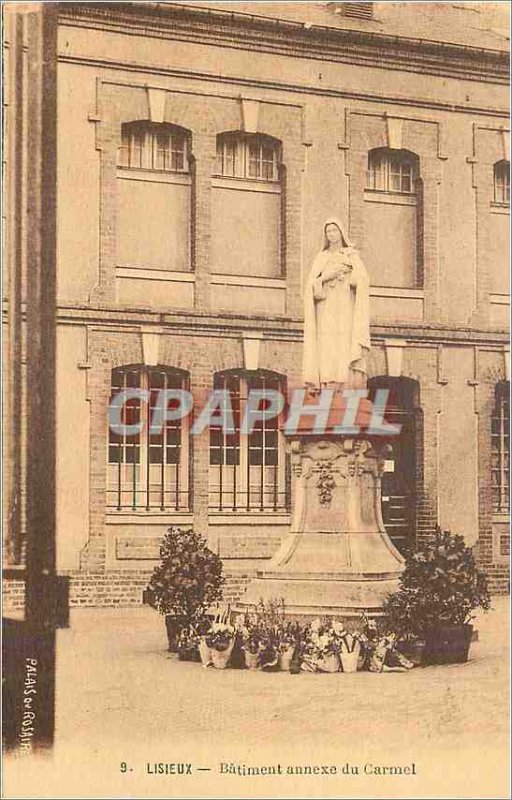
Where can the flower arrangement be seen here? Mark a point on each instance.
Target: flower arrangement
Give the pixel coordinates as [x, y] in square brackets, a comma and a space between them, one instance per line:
[216, 645]
[266, 638]
[385, 657]
[220, 636]
[252, 640]
[320, 646]
[190, 638]
[380, 646]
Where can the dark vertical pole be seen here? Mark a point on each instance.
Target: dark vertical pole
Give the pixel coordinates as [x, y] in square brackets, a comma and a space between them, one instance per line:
[14, 199]
[41, 305]
[29, 646]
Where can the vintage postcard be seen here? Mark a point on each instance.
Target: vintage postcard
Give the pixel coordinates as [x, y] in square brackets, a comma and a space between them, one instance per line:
[256, 382]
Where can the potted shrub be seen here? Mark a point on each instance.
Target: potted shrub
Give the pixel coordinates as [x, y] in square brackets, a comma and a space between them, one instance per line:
[439, 588]
[186, 583]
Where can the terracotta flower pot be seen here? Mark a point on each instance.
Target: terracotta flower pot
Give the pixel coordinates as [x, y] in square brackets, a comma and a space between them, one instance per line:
[220, 658]
[447, 644]
[349, 661]
[285, 658]
[252, 660]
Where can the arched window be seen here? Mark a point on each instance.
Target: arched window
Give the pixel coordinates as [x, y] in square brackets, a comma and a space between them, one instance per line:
[502, 183]
[154, 146]
[247, 206]
[147, 470]
[248, 470]
[154, 197]
[393, 247]
[251, 156]
[392, 171]
[399, 478]
[500, 450]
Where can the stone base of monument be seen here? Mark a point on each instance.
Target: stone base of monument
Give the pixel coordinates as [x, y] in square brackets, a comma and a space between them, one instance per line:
[337, 559]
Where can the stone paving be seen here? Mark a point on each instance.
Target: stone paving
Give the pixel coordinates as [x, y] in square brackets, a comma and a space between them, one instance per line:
[122, 698]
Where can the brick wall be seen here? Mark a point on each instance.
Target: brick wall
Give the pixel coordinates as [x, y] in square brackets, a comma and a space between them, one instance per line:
[115, 588]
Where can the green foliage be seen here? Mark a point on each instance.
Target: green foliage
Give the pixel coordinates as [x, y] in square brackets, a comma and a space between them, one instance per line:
[440, 585]
[189, 578]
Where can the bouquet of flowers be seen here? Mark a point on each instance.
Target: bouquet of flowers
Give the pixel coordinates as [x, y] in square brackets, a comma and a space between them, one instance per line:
[217, 644]
[386, 658]
[220, 636]
[320, 646]
[252, 638]
[266, 639]
[382, 654]
[190, 638]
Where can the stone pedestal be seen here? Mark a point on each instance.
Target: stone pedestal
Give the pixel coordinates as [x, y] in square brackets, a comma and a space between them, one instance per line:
[337, 558]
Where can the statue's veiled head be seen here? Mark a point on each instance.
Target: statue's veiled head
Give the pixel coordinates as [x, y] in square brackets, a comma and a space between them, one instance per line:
[335, 234]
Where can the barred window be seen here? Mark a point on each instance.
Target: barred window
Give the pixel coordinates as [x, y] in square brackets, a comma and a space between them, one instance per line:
[248, 472]
[502, 182]
[153, 146]
[392, 171]
[148, 471]
[250, 156]
[500, 450]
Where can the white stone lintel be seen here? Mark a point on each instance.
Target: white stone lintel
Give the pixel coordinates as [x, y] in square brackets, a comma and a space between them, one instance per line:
[394, 356]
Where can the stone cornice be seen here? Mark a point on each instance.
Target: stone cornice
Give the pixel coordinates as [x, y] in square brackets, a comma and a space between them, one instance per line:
[198, 324]
[244, 31]
[301, 89]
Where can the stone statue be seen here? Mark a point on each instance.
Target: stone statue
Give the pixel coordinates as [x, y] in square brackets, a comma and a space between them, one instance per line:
[336, 314]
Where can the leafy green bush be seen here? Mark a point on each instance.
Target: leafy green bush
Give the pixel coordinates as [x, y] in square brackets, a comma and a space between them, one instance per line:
[440, 585]
[189, 578]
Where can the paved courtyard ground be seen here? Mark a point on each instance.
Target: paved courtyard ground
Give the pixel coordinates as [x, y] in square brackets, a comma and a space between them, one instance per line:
[123, 699]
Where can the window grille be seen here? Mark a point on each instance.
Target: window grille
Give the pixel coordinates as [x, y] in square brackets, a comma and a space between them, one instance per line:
[148, 471]
[392, 171]
[248, 472]
[253, 157]
[153, 146]
[500, 451]
[502, 183]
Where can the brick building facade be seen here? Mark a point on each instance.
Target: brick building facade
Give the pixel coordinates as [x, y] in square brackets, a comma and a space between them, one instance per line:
[200, 149]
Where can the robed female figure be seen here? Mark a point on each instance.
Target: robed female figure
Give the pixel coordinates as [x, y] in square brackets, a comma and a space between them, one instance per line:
[336, 314]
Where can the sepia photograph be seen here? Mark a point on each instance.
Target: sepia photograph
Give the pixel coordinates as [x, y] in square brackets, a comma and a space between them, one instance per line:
[256, 399]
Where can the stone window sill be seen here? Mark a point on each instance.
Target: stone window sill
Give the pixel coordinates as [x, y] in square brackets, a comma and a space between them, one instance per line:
[126, 271]
[253, 518]
[153, 176]
[390, 198]
[500, 208]
[153, 517]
